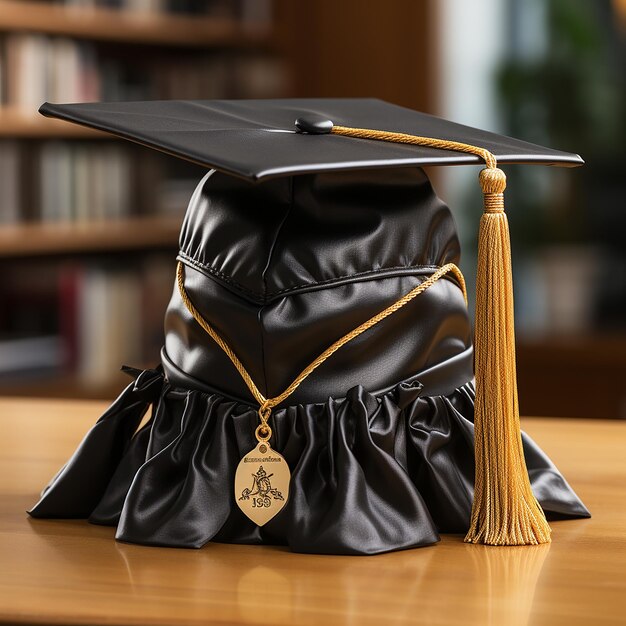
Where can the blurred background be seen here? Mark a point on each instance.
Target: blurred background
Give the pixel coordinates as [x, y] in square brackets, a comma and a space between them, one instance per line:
[89, 224]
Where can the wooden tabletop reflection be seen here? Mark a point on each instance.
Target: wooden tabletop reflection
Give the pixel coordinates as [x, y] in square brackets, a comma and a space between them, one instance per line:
[60, 572]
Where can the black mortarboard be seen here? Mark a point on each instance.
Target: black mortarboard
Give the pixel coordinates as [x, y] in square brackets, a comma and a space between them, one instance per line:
[319, 247]
[257, 139]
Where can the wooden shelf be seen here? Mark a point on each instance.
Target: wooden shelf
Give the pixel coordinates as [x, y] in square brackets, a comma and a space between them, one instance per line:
[129, 27]
[66, 386]
[17, 124]
[140, 233]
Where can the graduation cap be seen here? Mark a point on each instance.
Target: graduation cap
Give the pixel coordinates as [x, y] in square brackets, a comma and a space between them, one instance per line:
[258, 139]
[317, 229]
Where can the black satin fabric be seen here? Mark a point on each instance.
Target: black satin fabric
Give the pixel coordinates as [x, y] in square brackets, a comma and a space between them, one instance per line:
[379, 439]
[284, 268]
[370, 473]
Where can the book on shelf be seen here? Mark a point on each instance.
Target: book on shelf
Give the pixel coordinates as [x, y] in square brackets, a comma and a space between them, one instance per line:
[83, 319]
[39, 68]
[82, 182]
[109, 322]
[31, 355]
[10, 203]
[29, 338]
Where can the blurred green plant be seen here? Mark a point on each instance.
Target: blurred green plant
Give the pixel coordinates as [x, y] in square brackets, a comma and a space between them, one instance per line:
[572, 97]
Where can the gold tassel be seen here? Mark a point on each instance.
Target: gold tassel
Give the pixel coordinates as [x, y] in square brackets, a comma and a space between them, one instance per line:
[505, 511]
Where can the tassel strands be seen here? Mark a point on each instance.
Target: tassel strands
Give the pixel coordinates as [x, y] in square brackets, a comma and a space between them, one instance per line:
[505, 511]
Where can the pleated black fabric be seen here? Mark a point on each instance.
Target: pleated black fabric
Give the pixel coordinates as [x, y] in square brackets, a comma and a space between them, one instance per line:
[369, 473]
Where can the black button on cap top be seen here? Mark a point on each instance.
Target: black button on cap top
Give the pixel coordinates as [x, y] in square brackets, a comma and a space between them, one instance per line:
[313, 124]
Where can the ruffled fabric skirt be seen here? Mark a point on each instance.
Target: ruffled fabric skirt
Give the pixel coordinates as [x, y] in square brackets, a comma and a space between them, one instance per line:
[370, 473]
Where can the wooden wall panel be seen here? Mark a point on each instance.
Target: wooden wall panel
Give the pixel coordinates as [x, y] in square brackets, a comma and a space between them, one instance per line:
[354, 48]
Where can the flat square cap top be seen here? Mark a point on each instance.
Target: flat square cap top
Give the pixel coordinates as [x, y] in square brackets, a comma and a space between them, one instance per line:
[257, 139]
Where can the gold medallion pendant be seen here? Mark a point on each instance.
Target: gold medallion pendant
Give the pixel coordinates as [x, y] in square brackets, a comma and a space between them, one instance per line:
[262, 480]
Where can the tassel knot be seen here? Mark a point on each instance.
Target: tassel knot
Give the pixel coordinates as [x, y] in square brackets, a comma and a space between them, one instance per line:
[492, 180]
[493, 183]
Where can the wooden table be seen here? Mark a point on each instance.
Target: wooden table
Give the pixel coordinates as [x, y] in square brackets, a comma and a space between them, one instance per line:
[58, 572]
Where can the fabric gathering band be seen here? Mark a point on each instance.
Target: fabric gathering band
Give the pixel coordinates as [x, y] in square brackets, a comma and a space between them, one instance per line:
[264, 432]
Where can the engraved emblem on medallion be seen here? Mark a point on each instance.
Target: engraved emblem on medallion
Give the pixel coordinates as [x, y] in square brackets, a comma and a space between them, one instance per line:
[261, 494]
[261, 491]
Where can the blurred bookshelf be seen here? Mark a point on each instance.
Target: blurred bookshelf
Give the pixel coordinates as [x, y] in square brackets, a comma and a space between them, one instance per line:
[148, 25]
[62, 240]
[89, 224]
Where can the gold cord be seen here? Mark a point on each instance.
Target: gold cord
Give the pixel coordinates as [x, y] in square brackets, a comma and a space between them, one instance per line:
[416, 140]
[266, 405]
